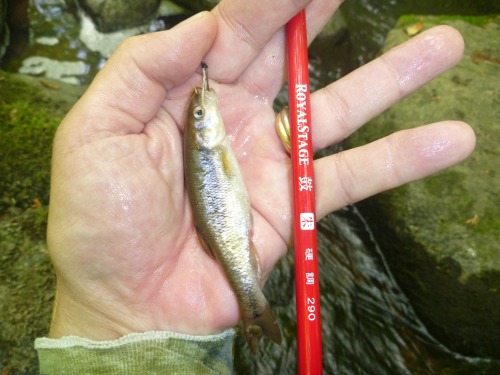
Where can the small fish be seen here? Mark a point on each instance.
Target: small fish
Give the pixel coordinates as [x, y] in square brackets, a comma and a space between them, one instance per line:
[221, 210]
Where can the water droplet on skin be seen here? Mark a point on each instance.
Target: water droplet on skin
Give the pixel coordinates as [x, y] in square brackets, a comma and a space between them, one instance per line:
[437, 148]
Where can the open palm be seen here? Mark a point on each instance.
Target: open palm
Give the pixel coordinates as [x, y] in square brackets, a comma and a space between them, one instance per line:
[120, 232]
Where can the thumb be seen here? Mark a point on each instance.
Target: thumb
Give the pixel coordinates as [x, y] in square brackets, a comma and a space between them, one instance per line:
[130, 89]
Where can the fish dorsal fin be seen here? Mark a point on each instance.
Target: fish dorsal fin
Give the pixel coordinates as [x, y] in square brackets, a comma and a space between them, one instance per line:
[204, 243]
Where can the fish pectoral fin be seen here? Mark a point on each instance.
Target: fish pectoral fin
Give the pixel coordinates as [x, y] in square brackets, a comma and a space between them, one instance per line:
[254, 259]
[263, 325]
[204, 243]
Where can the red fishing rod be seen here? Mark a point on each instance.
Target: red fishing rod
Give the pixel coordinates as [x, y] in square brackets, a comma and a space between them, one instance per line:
[304, 212]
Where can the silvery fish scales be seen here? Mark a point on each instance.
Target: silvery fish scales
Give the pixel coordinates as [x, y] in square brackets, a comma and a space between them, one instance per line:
[221, 210]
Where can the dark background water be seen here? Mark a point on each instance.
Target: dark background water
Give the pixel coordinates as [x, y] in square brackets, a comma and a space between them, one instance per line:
[369, 326]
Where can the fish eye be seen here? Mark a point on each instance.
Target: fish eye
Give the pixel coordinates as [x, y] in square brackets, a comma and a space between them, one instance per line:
[198, 113]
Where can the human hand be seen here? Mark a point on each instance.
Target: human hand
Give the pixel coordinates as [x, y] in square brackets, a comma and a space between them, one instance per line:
[120, 232]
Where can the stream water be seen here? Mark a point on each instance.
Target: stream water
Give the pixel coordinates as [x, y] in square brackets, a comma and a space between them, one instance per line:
[369, 327]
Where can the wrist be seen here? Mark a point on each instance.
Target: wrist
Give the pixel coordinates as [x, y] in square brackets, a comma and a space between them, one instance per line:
[101, 318]
[73, 318]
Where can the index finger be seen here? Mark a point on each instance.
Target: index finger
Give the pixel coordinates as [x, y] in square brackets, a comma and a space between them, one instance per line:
[244, 28]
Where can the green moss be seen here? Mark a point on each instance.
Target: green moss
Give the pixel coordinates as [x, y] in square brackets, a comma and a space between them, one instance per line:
[410, 19]
[27, 125]
[29, 116]
[489, 222]
[26, 290]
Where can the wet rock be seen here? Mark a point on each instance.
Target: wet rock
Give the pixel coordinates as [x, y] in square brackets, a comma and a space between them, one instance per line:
[197, 5]
[168, 15]
[112, 15]
[4, 30]
[441, 236]
[17, 14]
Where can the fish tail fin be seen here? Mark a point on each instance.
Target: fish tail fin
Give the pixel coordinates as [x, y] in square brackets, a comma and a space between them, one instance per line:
[262, 325]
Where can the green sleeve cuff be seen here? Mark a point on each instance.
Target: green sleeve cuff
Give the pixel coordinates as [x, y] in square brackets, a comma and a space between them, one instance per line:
[138, 353]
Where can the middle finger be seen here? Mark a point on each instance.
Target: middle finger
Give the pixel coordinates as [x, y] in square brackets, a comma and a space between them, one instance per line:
[342, 107]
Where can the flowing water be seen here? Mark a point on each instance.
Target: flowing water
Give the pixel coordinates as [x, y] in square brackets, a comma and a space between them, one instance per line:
[369, 327]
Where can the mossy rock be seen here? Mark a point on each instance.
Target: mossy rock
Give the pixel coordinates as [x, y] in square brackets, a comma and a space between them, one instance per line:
[30, 111]
[441, 236]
